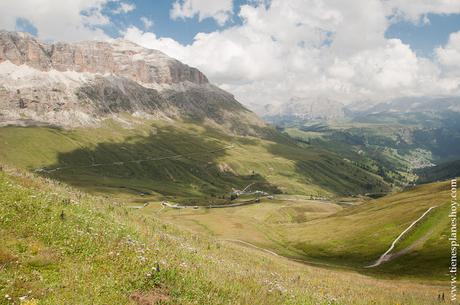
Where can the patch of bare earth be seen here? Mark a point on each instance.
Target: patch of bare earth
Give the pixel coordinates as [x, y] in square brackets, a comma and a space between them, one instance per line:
[152, 297]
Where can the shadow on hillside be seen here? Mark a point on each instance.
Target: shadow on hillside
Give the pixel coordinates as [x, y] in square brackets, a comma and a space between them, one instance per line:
[170, 162]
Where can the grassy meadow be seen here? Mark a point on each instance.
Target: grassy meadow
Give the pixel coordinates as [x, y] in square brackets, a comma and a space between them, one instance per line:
[59, 245]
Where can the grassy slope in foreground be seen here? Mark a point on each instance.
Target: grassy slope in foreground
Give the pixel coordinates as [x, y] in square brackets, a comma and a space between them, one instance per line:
[61, 246]
[275, 165]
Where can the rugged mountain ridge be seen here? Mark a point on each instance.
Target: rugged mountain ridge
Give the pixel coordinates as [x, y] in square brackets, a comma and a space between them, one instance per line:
[80, 84]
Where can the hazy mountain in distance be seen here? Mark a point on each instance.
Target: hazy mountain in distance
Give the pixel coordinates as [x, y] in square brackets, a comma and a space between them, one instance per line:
[322, 108]
[407, 104]
[306, 108]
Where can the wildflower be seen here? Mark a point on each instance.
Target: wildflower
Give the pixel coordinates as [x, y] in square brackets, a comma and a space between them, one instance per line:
[157, 268]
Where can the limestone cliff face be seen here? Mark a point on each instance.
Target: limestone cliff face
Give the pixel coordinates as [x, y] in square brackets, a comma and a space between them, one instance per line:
[119, 57]
[80, 84]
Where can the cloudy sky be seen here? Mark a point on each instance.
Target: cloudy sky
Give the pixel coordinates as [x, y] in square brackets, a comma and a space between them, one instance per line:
[266, 52]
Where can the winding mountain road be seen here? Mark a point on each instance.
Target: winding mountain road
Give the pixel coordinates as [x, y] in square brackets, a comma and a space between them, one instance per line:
[118, 163]
[212, 206]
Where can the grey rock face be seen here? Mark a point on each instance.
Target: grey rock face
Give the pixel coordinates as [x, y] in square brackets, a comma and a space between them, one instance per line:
[120, 57]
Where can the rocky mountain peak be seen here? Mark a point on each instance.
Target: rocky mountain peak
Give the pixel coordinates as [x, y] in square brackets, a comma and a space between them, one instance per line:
[84, 83]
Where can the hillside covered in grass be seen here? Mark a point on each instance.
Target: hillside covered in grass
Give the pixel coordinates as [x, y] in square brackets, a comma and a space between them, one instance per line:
[358, 235]
[61, 246]
[160, 159]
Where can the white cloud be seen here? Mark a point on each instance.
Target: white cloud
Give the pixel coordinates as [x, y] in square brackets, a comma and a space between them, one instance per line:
[124, 8]
[331, 49]
[150, 40]
[146, 22]
[219, 10]
[417, 11]
[449, 55]
[57, 20]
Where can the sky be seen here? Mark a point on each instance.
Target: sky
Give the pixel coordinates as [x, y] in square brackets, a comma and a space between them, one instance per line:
[272, 51]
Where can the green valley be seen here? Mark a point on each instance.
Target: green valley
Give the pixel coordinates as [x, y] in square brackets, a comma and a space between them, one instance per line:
[402, 148]
[187, 161]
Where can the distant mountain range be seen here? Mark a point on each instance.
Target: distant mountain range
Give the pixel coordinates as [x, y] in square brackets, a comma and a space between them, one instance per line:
[326, 109]
[306, 108]
[407, 104]
[80, 84]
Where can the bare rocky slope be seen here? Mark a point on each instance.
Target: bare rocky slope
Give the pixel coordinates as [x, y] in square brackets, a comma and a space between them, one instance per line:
[81, 84]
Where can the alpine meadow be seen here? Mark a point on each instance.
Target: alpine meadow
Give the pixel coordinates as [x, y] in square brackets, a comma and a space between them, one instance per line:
[229, 152]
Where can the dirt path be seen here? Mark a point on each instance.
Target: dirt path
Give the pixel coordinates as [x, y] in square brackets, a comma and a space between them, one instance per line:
[297, 260]
[386, 256]
[250, 245]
